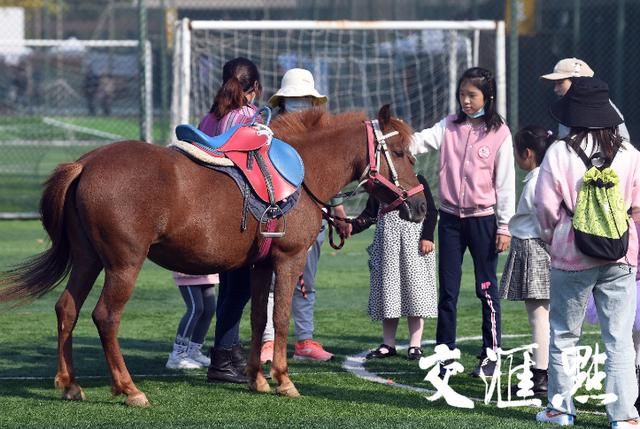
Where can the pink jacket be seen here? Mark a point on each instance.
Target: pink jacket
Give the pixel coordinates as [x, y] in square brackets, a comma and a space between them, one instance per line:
[476, 169]
[559, 180]
[212, 126]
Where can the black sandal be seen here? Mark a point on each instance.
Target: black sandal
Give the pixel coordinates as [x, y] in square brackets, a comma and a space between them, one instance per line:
[414, 353]
[383, 351]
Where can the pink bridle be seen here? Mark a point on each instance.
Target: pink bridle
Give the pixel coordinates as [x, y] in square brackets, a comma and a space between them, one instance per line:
[371, 176]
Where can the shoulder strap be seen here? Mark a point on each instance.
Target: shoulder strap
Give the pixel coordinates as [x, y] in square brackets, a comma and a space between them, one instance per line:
[583, 156]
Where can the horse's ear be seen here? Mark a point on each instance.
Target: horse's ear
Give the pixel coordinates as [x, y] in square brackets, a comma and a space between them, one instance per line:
[384, 115]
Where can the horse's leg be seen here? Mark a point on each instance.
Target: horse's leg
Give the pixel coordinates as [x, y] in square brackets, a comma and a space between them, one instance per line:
[86, 266]
[286, 278]
[68, 307]
[260, 285]
[117, 290]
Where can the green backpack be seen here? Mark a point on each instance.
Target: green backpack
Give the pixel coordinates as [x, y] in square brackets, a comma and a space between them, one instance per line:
[600, 220]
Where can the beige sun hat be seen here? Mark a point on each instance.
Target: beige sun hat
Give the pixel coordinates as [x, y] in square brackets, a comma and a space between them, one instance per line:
[297, 83]
[567, 68]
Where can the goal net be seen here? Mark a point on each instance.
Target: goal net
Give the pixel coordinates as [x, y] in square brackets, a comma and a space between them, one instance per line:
[414, 66]
[62, 99]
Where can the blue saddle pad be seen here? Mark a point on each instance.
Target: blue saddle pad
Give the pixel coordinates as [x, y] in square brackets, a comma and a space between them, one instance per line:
[189, 133]
[283, 157]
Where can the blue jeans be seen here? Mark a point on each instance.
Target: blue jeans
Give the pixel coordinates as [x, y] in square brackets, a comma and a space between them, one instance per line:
[614, 291]
[302, 307]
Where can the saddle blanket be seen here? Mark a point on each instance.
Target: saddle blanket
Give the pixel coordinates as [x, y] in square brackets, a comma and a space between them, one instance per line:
[257, 206]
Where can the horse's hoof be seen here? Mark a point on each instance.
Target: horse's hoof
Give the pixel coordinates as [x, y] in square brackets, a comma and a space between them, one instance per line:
[262, 387]
[137, 400]
[288, 390]
[73, 393]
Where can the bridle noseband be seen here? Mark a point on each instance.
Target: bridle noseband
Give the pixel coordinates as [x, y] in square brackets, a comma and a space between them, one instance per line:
[371, 177]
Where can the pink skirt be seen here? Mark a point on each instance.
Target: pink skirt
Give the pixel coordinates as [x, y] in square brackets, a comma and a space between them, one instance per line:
[591, 315]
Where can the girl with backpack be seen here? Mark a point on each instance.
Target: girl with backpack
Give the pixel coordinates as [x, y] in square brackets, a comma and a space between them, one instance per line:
[574, 275]
[526, 272]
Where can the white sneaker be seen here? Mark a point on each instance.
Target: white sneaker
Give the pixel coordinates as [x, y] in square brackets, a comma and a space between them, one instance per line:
[197, 356]
[557, 417]
[632, 423]
[182, 361]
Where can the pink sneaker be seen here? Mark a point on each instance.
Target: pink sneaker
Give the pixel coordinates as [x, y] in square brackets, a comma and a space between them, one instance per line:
[311, 350]
[266, 353]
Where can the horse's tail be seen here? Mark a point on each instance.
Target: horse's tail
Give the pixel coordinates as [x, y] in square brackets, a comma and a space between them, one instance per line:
[40, 274]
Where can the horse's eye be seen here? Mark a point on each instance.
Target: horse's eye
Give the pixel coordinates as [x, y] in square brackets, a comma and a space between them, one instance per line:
[398, 153]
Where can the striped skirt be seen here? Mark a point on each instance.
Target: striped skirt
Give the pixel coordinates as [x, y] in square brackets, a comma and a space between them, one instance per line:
[526, 272]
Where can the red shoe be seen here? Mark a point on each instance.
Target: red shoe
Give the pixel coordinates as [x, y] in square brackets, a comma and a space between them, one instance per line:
[311, 350]
[266, 353]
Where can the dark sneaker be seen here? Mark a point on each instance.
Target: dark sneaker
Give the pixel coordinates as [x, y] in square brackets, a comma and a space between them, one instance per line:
[443, 370]
[487, 367]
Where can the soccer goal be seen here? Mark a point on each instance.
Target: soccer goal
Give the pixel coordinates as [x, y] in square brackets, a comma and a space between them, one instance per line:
[62, 99]
[413, 65]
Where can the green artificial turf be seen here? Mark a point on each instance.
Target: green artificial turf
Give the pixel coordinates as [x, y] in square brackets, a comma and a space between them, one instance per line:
[332, 397]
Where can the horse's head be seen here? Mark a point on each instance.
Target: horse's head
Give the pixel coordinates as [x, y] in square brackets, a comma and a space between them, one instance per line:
[391, 178]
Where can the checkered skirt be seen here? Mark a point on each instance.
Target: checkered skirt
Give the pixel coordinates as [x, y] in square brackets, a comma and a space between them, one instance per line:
[526, 272]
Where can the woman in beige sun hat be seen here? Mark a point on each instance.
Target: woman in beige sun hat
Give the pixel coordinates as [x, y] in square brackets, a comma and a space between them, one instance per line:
[297, 92]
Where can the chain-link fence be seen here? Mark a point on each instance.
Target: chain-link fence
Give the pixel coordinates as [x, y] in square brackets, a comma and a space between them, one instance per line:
[599, 32]
[61, 99]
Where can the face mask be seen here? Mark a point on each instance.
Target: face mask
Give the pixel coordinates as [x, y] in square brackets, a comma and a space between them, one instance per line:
[297, 104]
[477, 114]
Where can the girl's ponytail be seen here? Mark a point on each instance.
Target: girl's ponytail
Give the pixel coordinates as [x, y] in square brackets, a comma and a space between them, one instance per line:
[230, 96]
[240, 76]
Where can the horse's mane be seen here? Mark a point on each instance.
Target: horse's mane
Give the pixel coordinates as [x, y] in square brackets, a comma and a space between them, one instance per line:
[299, 126]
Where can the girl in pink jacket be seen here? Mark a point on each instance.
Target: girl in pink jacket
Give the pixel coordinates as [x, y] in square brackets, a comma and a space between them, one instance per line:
[477, 200]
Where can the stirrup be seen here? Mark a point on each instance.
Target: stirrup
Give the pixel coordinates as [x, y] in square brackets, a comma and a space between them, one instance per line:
[267, 215]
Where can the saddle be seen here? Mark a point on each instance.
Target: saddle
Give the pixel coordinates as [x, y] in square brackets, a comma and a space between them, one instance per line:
[272, 167]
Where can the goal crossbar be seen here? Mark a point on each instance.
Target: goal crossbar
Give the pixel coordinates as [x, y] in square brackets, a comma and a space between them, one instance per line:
[344, 24]
[182, 88]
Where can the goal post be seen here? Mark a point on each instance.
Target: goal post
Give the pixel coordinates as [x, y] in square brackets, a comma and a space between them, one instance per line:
[359, 65]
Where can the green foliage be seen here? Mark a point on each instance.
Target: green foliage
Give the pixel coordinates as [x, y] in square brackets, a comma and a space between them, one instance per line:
[331, 396]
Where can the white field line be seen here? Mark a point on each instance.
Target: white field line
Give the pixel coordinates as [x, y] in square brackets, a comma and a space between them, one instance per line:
[355, 365]
[80, 129]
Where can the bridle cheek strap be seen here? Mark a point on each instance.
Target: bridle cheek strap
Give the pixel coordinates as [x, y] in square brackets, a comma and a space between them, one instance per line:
[371, 174]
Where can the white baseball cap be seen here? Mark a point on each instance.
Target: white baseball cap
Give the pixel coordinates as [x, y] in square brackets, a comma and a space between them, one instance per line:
[567, 68]
[297, 83]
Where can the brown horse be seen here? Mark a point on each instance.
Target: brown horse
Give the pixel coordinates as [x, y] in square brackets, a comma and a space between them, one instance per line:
[127, 201]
